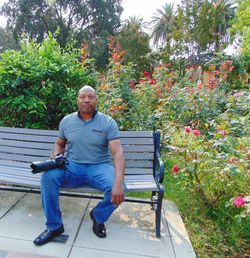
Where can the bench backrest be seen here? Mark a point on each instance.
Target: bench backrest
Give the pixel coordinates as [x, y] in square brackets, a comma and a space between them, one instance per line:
[27, 145]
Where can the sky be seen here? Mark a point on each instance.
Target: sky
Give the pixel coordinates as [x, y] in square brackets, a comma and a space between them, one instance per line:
[141, 8]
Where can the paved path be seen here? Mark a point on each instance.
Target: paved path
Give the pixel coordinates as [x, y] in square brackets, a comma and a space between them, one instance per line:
[130, 230]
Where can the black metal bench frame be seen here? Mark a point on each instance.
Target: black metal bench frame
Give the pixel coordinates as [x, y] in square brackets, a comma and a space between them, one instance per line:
[144, 167]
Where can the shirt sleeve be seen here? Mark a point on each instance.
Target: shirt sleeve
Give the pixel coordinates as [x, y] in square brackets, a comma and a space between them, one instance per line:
[61, 131]
[113, 130]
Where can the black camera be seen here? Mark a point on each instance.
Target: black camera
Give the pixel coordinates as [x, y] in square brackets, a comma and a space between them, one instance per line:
[39, 166]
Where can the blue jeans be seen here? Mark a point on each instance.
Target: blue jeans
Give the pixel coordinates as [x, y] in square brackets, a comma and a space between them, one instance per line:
[100, 176]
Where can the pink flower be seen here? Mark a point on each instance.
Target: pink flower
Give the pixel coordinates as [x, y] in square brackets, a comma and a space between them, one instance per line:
[146, 74]
[153, 81]
[187, 129]
[240, 201]
[248, 157]
[196, 132]
[222, 132]
[175, 169]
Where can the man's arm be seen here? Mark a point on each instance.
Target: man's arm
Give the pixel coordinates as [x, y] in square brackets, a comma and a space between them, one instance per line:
[59, 147]
[119, 163]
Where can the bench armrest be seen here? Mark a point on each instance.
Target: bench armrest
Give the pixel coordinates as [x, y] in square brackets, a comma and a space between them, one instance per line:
[159, 164]
[159, 169]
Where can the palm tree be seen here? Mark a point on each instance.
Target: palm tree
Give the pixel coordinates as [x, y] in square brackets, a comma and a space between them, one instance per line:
[224, 12]
[162, 25]
[135, 23]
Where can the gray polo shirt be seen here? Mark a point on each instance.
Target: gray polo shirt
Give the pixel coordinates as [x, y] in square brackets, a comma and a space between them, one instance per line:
[87, 142]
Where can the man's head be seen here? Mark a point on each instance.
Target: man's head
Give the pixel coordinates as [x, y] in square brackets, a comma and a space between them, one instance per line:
[87, 100]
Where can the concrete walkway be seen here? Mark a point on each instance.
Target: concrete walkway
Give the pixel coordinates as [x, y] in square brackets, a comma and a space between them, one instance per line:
[130, 230]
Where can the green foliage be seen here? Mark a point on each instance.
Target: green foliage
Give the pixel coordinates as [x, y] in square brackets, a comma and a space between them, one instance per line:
[196, 29]
[91, 21]
[6, 40]
[240, 25]
[38, 84]
[135, 42]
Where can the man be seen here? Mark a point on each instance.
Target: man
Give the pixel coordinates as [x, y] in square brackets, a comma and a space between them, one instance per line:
[85, 138]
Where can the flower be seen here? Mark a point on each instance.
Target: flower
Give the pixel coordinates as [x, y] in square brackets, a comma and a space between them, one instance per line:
[153, 81]
[240, 201]
[196, 132]
[187, 129]
[175, 169]
[222, 132]
[132, 84]
[146, 74]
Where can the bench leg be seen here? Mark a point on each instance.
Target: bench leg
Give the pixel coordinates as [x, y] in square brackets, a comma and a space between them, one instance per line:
[158, 212]
[153, 199]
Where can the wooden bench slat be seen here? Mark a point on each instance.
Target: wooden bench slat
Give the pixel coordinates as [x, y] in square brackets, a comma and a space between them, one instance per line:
[7, 164]
[15, 130]
[50, 146]
[15, 177]
[27, 137]
[46, 153]
[32, 145]
[51, 139]
[138, 148]
[28, 158]
[25, 151]
[143, 134]
[10, 163]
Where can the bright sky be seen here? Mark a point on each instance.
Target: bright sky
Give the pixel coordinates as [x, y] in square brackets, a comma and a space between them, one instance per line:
[142, 8]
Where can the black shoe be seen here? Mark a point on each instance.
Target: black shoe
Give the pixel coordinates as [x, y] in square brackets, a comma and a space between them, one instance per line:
[98, 229]
[48, 235]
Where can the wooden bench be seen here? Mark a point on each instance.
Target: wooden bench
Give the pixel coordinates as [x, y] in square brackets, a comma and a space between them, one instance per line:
[144, 168]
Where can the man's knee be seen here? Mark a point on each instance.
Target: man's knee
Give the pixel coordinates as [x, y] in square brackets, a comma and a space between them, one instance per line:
[52, 176]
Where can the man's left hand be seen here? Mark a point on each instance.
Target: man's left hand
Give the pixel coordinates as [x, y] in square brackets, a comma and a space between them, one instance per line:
[118, 193]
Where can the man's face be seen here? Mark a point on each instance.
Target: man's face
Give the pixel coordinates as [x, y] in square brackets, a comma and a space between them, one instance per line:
[87, 101]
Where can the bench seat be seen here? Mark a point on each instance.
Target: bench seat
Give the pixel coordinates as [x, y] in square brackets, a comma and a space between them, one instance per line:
[144, 167]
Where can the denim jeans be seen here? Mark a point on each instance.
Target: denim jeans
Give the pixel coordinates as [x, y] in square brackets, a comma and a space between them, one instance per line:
[100, 176]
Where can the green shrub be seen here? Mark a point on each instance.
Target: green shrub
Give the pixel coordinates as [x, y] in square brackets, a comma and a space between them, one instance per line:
[38, 84]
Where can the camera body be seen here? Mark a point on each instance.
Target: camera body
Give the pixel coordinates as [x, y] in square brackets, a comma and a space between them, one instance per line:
[39, 166]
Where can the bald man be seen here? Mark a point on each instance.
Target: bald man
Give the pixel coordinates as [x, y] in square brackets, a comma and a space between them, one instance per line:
[86, 138]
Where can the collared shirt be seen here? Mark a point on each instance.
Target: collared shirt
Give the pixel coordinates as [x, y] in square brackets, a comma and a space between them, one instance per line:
[87, 141]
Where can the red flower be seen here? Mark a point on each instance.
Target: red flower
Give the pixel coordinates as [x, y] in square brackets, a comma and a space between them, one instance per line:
[187, 129]
[132, 84]
[175, 169]
[146, 74]
[153, 81]
[196, 132]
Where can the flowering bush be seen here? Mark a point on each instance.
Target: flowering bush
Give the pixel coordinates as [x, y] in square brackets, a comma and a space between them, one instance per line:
[114, 90]
[213, 169]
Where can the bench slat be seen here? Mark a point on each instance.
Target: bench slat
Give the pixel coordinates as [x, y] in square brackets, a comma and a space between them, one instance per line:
[32, 145]
[16, 166]
[50, 146]
[143, 134]
[46, 153]
[51, 139]
[134, 183]
[27, 158]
